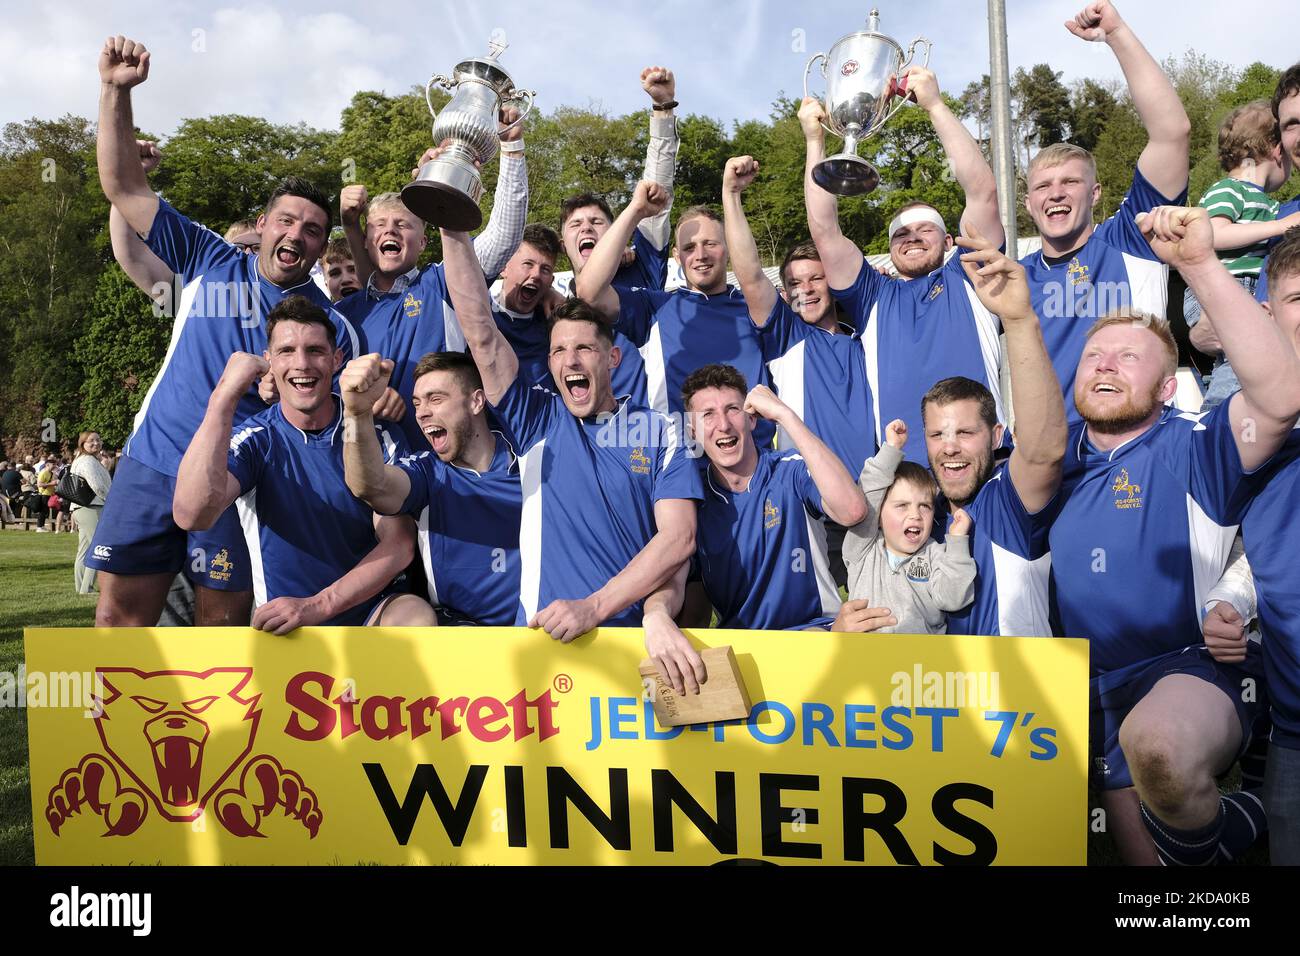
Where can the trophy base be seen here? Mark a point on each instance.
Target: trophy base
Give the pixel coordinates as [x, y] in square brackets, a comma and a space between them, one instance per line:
[446, 195]
[846, 175]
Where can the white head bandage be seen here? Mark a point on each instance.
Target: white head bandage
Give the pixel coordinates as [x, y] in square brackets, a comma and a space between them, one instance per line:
[914, 215]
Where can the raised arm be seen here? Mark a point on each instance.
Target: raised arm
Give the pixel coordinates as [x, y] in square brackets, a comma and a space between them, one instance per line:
[1164, 160]
[841, 499]
[505, 226]
[353, 202]
[840, 256]
[964, 156]
[204, 485]
[383, 487]
[592, 285]
[755, 286]
[149, 273]
[1039, 413]
[661, 152]
[1264, 360]
[672, 545]
[371, 575]
[496, 360]
[123, 64]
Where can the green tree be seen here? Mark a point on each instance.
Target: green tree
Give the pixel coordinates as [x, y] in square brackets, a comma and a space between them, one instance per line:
[1091, 106]
[1044, 105]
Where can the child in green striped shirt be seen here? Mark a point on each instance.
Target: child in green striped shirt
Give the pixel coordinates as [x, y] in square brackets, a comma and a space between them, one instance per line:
[1244, 218]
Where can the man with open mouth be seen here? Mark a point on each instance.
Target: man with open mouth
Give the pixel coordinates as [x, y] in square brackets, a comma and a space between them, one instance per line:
[138, 547]
[320, 556]
[402, 310]
[928, 324]
[609, 493]
[464, 497]
[1155, 491]
[705, 322]
[584, 218]
[1084, 271]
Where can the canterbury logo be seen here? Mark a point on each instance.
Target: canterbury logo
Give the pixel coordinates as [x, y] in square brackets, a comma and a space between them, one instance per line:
[103, 551]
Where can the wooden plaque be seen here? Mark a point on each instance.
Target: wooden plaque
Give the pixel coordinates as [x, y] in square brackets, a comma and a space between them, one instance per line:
[722, 696]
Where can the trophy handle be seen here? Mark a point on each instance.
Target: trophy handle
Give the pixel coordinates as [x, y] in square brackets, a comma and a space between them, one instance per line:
[813, 59]
[444, 82]
[514, 96]
[899, 86]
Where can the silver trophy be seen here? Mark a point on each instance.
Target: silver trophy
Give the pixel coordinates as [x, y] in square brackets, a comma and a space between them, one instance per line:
[448, 189]
[863, 74]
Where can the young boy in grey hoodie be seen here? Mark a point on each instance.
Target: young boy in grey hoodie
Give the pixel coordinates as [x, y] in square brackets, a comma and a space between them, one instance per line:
[891, 558]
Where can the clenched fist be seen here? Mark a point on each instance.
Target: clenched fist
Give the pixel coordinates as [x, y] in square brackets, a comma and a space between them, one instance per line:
[352, 204]
[659, 83]
[739, 173]
[363, 382]
[123, 63]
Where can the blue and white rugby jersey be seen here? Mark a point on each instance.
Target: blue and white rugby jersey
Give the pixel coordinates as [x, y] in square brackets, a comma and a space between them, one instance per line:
[468, 534]
[1142, 533]
[761, 552]
[304, 528]
[589, 490]
[1114, 269]
[221, 310]
[823, 379]
[915, 333]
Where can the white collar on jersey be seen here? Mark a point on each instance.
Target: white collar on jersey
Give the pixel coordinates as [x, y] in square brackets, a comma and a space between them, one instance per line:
[338, 421]
[510, 450]
[731, 293]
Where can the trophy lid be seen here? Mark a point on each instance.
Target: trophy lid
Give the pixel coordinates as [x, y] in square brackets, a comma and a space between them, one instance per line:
[486, 70]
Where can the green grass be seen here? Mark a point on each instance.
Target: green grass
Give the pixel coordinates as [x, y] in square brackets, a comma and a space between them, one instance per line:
[36, 584]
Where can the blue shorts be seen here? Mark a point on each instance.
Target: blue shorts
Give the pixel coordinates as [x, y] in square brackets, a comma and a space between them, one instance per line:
[137, 535]
[1113, 694]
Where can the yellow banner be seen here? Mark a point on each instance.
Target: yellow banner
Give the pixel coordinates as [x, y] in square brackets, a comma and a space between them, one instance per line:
[496, 745]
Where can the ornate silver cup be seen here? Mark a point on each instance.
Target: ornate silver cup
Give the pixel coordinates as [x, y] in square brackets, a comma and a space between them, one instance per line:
[863, 74]
[448, 189]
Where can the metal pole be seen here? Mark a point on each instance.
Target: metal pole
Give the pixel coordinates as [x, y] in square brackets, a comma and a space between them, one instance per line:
[1004, 153]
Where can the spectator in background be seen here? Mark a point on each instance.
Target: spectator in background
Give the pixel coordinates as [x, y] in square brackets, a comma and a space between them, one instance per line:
[11, 484]
[87, 465]
[339, 269]
[243, 235]
[44, 489]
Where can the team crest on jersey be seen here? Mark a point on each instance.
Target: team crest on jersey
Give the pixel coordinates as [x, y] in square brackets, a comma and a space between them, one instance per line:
[640, 463]
[1127, 494]
[1078, 273]
[918, 570]
[220, 566]
[935, 292]
[771, 514]
[411, 305]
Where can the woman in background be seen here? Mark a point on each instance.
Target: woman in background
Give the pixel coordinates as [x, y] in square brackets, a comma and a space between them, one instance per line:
[87, 466]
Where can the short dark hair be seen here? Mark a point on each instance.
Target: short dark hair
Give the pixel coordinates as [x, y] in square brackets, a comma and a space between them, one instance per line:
[1284, 258]
[296, 308]
[297, 186]
[542, 238]
[698, 211]
[460, 364]
[960, 389]
[582, 201]
[576, 310]
[713, 376]
[1288, 85]
[804, 250]
[916, 475]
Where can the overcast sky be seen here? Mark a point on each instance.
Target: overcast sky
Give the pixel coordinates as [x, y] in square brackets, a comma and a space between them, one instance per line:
[302, 62]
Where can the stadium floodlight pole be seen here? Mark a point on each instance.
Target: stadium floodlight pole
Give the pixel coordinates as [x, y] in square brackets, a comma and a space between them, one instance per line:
[1004, 155]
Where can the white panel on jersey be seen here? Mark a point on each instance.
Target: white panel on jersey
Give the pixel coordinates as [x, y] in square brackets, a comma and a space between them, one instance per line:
[1189, 397]
[246, 507]
[986, 327]
[1209, 544]
[787, 376]
[871, 351]
[826, 588]
[452, 333]
[530, 529]
[656, 372]
[186, 303]
[1022, 594]
[1148, 284]
[423, 538]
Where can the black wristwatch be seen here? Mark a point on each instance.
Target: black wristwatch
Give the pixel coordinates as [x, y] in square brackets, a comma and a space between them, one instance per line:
[661, 107]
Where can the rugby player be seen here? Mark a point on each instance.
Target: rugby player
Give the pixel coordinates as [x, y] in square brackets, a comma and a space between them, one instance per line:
[1154, 492]
[138, 548]
[319, 555]
[464, 496]
[609, 494]
[1084, 271]
[930, 325]
[585, 217]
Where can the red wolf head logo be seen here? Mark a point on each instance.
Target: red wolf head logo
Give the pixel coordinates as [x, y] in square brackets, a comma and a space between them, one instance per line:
[177, 734]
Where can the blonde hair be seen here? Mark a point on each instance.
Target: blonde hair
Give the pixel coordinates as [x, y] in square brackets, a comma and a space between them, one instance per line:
[239, 227]
[1060, 153]
[1132, 318]
[1248, 132]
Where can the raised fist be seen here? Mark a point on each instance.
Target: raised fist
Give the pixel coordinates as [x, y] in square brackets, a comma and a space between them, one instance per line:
[508, 115]
[811, 117]
[960, 522]
[923, 86]
[352, 204]
[762, 401]
[1095, 22]
[896, 433]
[363, 382]
[242, 370]
[123, 63]
[1179, 235]
[150, 155]
[739, 173]
[650, 199]
[659, 83]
